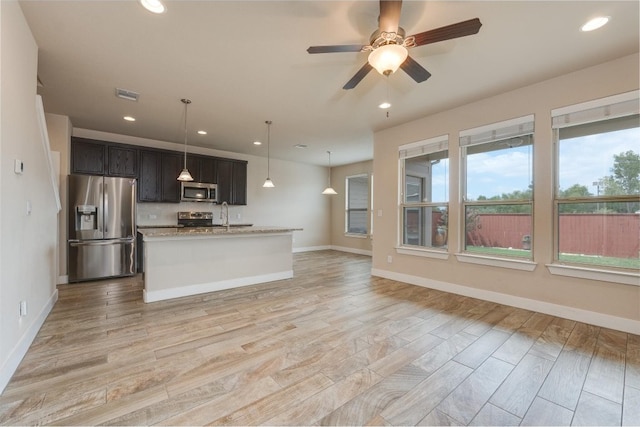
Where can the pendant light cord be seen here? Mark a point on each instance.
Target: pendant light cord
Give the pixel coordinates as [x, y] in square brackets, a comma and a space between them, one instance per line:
[268, 122]
[186, 102]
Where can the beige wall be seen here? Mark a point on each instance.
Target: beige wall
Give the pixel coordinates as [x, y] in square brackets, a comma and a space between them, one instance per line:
[28, 241]
[616, 305]
[339, 240]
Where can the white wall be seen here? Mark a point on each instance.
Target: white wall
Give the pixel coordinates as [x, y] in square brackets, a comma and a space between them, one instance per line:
[27, 242]
[605, 303]
[296, 201]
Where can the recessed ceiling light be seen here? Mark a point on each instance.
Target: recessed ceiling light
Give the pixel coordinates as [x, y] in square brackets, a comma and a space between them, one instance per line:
[202, 132]
[301, 146]
[129, 118]
[595, 23]
[384, 105]
[257, 143]
[154, 6]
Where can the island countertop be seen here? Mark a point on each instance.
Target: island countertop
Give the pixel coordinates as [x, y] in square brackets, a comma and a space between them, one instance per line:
[217, 231]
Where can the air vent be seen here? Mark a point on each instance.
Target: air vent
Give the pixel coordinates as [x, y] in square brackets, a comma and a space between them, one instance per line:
[127, 94]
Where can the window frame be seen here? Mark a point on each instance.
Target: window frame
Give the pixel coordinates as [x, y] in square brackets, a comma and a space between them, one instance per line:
[594, 111]
[487, 134]
[408, 151]
[367, 210]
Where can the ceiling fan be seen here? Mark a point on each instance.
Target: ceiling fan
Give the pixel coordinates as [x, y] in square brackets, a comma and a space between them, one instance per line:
[388, 44]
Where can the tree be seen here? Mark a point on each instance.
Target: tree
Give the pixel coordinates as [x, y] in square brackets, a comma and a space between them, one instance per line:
[626, 175]
[576, 191]
[625, 180]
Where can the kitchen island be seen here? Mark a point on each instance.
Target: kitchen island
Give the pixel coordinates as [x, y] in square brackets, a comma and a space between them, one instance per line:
[180, 262]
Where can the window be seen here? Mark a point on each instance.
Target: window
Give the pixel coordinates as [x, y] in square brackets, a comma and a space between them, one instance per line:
[597, 195]
[498, 188]
[357, 203]
[424, 201]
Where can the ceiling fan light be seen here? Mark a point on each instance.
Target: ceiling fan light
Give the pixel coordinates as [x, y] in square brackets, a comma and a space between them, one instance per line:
[387, 58]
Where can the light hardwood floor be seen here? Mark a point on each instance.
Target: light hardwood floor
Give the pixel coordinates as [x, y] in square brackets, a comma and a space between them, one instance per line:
[330, 346]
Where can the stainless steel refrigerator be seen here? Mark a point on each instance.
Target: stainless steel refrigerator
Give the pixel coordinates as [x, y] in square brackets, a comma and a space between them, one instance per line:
[102, 227]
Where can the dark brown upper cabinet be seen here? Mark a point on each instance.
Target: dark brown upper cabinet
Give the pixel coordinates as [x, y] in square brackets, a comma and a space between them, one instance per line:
[122, 161]
[157, 170]
[87, 156]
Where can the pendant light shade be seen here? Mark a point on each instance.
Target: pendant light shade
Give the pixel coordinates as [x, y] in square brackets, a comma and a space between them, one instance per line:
[185, 175]
[329, 190]
[268, 183]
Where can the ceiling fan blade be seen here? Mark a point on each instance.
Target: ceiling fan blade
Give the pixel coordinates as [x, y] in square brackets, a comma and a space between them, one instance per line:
[389, 18]
[358, 76]
[460, 29]
[416, 71]
[336, 48]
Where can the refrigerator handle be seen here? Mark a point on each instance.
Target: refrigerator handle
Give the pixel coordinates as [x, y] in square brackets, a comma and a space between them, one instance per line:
[105, 201]
[100, 207]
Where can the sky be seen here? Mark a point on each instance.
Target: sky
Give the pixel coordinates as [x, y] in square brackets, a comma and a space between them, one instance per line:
[582, 160]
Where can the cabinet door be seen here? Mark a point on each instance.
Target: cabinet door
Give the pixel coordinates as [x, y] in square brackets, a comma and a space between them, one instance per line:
[87, 157]
[171, 165]
[122, 161]
[239, 184]
[149, 189]
[193, 164]
[208, 170]
[224, 172]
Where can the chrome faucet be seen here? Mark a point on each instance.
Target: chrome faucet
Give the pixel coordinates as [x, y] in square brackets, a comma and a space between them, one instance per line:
[225, 205]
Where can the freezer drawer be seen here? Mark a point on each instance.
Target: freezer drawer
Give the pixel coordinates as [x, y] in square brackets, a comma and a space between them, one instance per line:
[89, 260]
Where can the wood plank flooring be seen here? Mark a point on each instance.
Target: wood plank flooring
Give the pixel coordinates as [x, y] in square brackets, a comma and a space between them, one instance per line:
[332, 346]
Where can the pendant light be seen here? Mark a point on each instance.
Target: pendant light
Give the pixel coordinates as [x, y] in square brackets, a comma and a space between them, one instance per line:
[329, 189]
[268, 183]
[185, 175]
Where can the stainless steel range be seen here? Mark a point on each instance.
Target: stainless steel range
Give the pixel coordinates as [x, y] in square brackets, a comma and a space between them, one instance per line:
[195, 219]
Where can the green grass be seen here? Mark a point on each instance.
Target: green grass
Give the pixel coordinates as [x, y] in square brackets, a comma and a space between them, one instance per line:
[589, 260]
[500, 252]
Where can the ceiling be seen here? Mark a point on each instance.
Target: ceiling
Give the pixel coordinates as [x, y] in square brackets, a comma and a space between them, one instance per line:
[244, 62]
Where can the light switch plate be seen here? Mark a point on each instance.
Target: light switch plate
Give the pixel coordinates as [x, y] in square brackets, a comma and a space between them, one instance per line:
[18, 166]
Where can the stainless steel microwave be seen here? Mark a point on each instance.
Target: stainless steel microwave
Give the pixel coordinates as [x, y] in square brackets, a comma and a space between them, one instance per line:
[198, 192]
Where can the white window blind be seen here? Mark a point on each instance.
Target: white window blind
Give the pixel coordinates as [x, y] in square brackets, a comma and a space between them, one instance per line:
[497, 131]
[418, 148]
[611, 107]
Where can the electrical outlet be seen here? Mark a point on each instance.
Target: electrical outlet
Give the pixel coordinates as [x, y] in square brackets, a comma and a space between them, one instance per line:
[153, 216]
[389, 259]
[238, 216]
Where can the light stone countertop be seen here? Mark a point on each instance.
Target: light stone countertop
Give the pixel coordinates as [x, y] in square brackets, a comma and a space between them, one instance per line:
[150, 233]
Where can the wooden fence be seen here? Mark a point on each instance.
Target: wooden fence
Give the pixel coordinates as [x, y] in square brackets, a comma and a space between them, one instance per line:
[614, 235]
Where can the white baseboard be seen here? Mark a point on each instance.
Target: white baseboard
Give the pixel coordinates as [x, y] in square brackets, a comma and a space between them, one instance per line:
[311, 249]
[572, 313]
[352, 250]
[19, 351]
[63, 280]
[203, 288]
